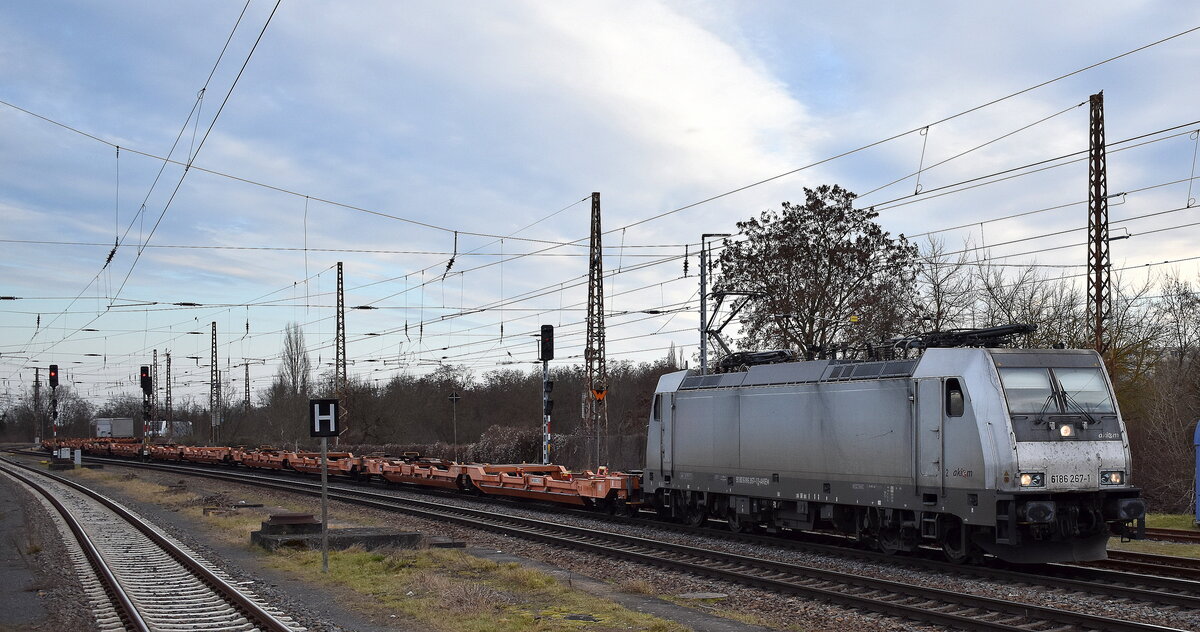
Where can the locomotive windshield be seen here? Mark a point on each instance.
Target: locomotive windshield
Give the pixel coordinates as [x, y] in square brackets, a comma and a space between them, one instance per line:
[1084, 390]
[1061, 403]
[1063, 391]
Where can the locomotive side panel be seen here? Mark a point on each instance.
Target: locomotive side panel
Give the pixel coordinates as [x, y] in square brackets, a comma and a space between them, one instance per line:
[822, 431]
[692, 444]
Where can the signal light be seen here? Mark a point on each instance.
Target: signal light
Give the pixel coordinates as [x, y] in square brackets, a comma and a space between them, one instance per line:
[53, 376]
[548, 408]
[546, 349]
[147, 385]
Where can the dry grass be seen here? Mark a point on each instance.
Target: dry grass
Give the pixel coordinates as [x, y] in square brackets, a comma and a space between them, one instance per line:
[637, 587]
[446, 590]
[453, 591]
[134, 486]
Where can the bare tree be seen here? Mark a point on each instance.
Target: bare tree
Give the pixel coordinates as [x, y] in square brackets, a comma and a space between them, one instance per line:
[1179, 311]
[295, 366]
[946, 284]
[1024, 295]
[822, 272]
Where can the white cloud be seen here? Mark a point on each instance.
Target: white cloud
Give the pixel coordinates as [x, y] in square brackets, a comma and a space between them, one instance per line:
[486, 116]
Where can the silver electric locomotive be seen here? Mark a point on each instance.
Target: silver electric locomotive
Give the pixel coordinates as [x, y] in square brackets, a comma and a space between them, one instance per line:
[1014, 452]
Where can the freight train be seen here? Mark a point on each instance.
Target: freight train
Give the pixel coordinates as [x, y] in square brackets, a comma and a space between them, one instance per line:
[1017, 453]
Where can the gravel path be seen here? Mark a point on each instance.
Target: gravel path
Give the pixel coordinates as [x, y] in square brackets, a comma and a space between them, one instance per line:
[61, 603]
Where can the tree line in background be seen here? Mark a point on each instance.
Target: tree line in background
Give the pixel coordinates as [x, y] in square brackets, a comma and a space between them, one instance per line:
[808, 268]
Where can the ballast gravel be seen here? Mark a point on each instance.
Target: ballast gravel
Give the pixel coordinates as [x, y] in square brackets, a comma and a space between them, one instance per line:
[759, 606]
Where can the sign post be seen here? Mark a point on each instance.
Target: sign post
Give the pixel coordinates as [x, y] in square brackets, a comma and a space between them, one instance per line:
[323, 422]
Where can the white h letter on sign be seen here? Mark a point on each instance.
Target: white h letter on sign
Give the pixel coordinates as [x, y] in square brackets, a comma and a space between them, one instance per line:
[324, 424]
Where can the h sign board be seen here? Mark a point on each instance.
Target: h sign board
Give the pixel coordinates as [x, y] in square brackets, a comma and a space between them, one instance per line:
[323, 418]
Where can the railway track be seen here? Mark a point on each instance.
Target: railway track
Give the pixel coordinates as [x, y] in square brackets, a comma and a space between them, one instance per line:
[1149, 563]
[1173, 535]
[154, 583]
[1163, 580]
[920, 603]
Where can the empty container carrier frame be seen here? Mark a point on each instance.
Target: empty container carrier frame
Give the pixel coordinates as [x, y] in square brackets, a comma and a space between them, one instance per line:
[1015, 452]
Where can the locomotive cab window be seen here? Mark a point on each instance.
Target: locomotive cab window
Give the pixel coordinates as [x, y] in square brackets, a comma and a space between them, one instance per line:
[656, 415]
[1060, 404]
[1027, 390]
[955, 402]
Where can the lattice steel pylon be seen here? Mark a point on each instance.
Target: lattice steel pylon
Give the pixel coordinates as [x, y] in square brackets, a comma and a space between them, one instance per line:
[339, 363]
[246, 404]
[154, 391]
[167, 390]
[1099, 304]
[214, 385]
[595, 422]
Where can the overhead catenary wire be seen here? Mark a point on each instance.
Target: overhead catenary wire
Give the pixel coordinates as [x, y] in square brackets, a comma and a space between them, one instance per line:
[211, 124]
[179, 135]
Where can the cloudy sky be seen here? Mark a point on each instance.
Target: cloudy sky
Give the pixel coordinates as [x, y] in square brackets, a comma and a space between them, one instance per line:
[394, 136]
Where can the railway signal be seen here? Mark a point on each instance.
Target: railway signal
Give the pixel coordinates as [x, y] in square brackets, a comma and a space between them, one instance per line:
[545, 355]
[546, 347]
[146, 382]
[53, 376]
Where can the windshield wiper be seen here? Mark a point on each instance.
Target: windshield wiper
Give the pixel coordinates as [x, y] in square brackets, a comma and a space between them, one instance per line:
[1071, 402]
[1041, 416]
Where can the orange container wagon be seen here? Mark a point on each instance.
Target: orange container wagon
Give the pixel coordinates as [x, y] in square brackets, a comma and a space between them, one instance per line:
[340, 463]
[127, 449]
[424, 472]
[554, 483]
[168, 452]
[207, 454]
[267, 458]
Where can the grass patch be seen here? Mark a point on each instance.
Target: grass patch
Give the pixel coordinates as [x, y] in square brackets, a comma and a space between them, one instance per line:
[637, 587]
[135, 487]
[1171, 521]
[456, 592]
[1175, 549]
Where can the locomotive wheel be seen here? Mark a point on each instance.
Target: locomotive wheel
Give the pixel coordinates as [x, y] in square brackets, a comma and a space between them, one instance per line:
[696, 516]
[735, 525]
[889, 541]
[954, 549]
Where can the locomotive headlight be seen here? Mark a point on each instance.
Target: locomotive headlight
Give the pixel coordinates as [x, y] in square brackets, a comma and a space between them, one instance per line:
[1112, 478]
[1066, 430]
[1032, 479]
